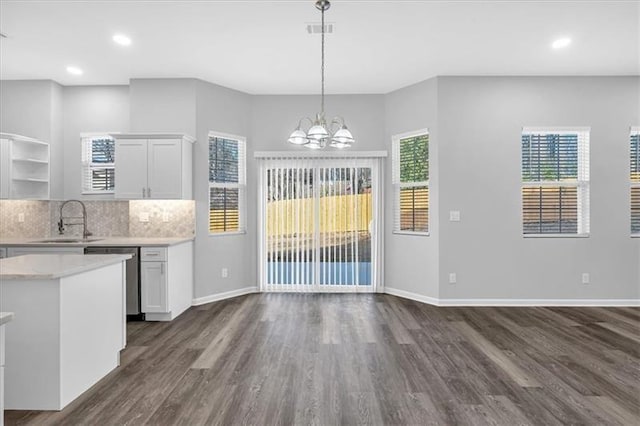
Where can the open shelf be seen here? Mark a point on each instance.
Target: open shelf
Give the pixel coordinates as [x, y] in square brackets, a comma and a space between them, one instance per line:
[24, 164]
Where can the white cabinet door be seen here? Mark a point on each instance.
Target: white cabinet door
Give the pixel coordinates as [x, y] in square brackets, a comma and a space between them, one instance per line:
[164, 171]
[131, 168]
[153, 281]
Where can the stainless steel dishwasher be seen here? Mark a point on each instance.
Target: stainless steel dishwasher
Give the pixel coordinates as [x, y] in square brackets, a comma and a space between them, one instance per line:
[132, 274]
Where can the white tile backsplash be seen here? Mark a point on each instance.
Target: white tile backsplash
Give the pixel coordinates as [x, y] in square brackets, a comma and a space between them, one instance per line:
[36, 219]
[162, 218]
[104, 218]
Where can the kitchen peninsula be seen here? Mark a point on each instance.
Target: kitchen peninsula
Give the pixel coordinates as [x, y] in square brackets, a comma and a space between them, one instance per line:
[69, 325]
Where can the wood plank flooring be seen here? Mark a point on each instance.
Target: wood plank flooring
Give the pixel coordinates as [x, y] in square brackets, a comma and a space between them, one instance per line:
[298, 359]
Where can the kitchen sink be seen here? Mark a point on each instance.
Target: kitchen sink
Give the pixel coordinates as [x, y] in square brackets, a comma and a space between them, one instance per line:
[68, 240]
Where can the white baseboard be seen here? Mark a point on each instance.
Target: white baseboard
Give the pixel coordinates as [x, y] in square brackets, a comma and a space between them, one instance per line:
[413, 296]
[222, 296]
[540, 302]
[512, 302]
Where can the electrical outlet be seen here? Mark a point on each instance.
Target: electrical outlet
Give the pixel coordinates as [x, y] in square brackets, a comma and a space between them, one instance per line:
[453, 278]
[225, 272]
[143, 217]
[586, 279]
[21, 217]
[166, 216]
[454, 216]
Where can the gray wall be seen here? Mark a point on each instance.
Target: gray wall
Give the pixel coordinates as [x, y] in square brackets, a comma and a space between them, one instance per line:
[480, 120]
[412, 261]
[163, 105]
[89, 109]
[228, 111]
[33, 108]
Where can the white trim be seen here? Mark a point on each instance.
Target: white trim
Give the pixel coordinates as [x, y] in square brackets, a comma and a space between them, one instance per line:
[511, 302]
[416, 233]
[539, 302]
[319, 154]
[556, 235]
[183, 136]
[555, 130]
[222, 296]
[412, 296]
[411, 134]
[227, 233]
[214, 134]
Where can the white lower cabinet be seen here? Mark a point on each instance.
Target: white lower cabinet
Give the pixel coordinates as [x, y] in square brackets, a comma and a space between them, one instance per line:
[154, 287]
[166, 281]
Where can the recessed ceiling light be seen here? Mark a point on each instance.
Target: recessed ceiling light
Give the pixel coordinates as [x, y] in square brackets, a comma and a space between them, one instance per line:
[122, 39]
[74, 70]
[561, 43]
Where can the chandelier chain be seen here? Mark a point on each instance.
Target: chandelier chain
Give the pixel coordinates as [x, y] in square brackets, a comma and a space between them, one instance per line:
[322, 66]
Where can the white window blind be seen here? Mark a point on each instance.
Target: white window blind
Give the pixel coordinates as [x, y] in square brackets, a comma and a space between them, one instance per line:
[411, 182]
[555, 181]
[634, 140]
[227, 183]
[321, 220]
[98, 164]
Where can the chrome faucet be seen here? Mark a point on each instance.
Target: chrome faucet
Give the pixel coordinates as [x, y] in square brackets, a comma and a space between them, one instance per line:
[62, 223]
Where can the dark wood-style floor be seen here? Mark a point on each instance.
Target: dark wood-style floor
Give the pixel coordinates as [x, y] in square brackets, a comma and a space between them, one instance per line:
[296, 359]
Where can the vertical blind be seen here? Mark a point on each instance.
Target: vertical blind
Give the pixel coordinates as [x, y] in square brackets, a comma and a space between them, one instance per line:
[634, 140]
[318, 224]
[411, 182]
[227, 179]
[98, 164]
[555, 181]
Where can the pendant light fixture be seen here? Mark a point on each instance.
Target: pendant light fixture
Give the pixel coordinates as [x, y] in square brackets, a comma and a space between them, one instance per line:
[319, 133]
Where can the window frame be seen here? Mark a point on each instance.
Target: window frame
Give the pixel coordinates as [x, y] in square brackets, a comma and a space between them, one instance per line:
[633, 131]
[240, 185]
[582, 182]
[88, 166]
[398, 185]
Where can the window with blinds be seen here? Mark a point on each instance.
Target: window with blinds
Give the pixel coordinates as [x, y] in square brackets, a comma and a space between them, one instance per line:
[98, 164]
[634, 140]
[411, 182]
[555, 182]
[226, 184]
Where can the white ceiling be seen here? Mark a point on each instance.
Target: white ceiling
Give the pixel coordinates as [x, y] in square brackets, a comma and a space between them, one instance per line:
[262, 47]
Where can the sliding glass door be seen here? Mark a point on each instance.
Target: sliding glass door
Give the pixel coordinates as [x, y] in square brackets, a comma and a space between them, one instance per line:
[318, 224]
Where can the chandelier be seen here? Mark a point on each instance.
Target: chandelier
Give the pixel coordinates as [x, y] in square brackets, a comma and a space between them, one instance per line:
[319, 133]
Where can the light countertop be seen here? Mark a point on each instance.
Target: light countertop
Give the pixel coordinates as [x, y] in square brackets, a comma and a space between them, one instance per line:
[95, 242]
[53, 266]
[5, 317]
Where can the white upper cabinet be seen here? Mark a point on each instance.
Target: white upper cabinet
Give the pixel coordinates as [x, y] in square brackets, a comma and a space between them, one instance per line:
[153, 166]
[24, 168]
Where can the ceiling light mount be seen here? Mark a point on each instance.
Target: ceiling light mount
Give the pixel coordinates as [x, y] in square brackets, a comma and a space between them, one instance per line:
[561, 43]
[320, 131]
[121, 39]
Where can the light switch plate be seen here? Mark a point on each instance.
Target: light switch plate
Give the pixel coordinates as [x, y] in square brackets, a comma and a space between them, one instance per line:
[454, 216]
[453, 278]
[143, 217]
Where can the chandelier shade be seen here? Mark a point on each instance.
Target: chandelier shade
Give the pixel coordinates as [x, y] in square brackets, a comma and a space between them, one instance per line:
[319, 134]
